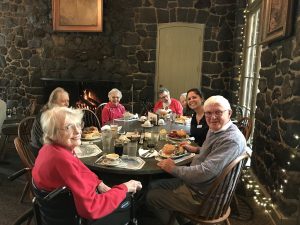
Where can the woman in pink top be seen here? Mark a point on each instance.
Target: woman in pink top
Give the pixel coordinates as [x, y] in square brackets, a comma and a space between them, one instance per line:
[113, 109]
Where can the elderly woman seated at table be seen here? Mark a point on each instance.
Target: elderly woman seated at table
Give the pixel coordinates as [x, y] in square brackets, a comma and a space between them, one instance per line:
[58, 97]
[57, 166]
[167, 104]
[113, 109]
[183, 101]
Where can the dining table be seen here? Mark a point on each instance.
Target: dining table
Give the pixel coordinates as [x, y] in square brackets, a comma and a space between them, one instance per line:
[149, 169]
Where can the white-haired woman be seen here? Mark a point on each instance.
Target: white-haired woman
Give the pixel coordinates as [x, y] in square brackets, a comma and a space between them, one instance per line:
[58, 97]
[57, 166]
[113, 109]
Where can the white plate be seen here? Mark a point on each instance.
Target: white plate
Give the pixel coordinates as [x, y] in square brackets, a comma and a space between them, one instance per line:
[126, 119]
[161, 154]
[178, 139]
[91, 139]
[107, 162]
[143, 125]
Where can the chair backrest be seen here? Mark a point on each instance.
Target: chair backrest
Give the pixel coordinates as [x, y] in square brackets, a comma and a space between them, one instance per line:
[90, 119]
[98, 111]
[24, 153]
[245, 126]
[218, 199]
[24, 129]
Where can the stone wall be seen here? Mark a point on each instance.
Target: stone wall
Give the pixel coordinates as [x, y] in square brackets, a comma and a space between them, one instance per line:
[275, 159]
[125, 50]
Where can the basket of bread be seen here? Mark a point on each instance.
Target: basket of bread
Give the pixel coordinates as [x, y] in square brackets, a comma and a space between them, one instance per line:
[172, 151]
[178, 135]
[90, 133]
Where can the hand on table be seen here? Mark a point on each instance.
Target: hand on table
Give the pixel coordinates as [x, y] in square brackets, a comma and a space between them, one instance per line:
[133, 185]
[167, 165]
[190, 148]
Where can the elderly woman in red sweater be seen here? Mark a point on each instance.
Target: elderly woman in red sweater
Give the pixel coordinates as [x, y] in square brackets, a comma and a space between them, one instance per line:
[113, 109]
[57, 166]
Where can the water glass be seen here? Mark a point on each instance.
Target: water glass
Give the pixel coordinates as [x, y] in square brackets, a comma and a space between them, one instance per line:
[119, 148]
[106, 141]
[114, 130]
[132, 148]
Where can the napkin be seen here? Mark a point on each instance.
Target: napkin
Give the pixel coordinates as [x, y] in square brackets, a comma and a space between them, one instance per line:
[144, 151]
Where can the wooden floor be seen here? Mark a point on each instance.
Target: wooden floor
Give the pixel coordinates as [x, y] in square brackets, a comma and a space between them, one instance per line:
[10, 193]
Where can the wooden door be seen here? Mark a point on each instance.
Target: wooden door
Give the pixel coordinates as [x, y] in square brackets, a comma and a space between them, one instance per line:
[179, 57]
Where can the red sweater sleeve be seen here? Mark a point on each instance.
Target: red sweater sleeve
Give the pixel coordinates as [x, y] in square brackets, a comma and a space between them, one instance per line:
[57, 167]
[88, 203]
[176, 106]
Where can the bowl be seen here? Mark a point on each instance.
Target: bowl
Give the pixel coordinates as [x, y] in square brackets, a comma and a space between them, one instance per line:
[112, 156]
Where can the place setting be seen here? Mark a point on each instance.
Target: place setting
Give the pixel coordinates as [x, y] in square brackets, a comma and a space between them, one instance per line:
[175, 152]
[87, 149]
[151, 144]
[127, 117]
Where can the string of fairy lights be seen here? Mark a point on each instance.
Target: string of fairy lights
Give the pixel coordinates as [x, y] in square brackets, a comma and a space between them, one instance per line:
[253, 186]
[248, 177]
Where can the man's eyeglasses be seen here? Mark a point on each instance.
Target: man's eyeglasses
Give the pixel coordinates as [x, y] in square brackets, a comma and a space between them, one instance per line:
[164, 96]
[218, 113]
[71, 127]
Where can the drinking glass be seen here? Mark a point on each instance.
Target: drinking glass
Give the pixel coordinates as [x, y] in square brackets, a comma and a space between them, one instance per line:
[106, 141]
[114, 130]
[132, 149]
[119, 148]
[153, 141]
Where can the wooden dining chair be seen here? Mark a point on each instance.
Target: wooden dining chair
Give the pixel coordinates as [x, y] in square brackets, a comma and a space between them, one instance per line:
[99, 111]
[215, 207]
[27, 159]
[90, 119]
[245, 126]
[24, 129]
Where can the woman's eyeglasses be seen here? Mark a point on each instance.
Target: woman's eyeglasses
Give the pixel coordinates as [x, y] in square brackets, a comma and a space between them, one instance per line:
[72, 126]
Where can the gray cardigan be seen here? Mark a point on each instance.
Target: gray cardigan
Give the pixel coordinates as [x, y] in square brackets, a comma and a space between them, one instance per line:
[217, 151]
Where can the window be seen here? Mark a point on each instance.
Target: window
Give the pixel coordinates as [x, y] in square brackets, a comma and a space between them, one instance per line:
[251, 59]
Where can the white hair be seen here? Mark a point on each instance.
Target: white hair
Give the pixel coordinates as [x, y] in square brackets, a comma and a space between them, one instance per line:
[114, 90]
[218, 100]
[52, 118]
[183, 95]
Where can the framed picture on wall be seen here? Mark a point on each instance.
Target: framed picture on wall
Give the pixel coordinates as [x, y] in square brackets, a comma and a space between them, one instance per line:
[276, 19]
[77, 15]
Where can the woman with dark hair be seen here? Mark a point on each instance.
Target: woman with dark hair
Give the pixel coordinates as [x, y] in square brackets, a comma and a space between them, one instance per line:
[199, 126]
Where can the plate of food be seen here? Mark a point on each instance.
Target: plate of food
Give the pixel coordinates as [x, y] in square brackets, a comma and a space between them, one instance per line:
[172, 151]
[182, 119]
[178, 135]
[90, 134]
[110, 160]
